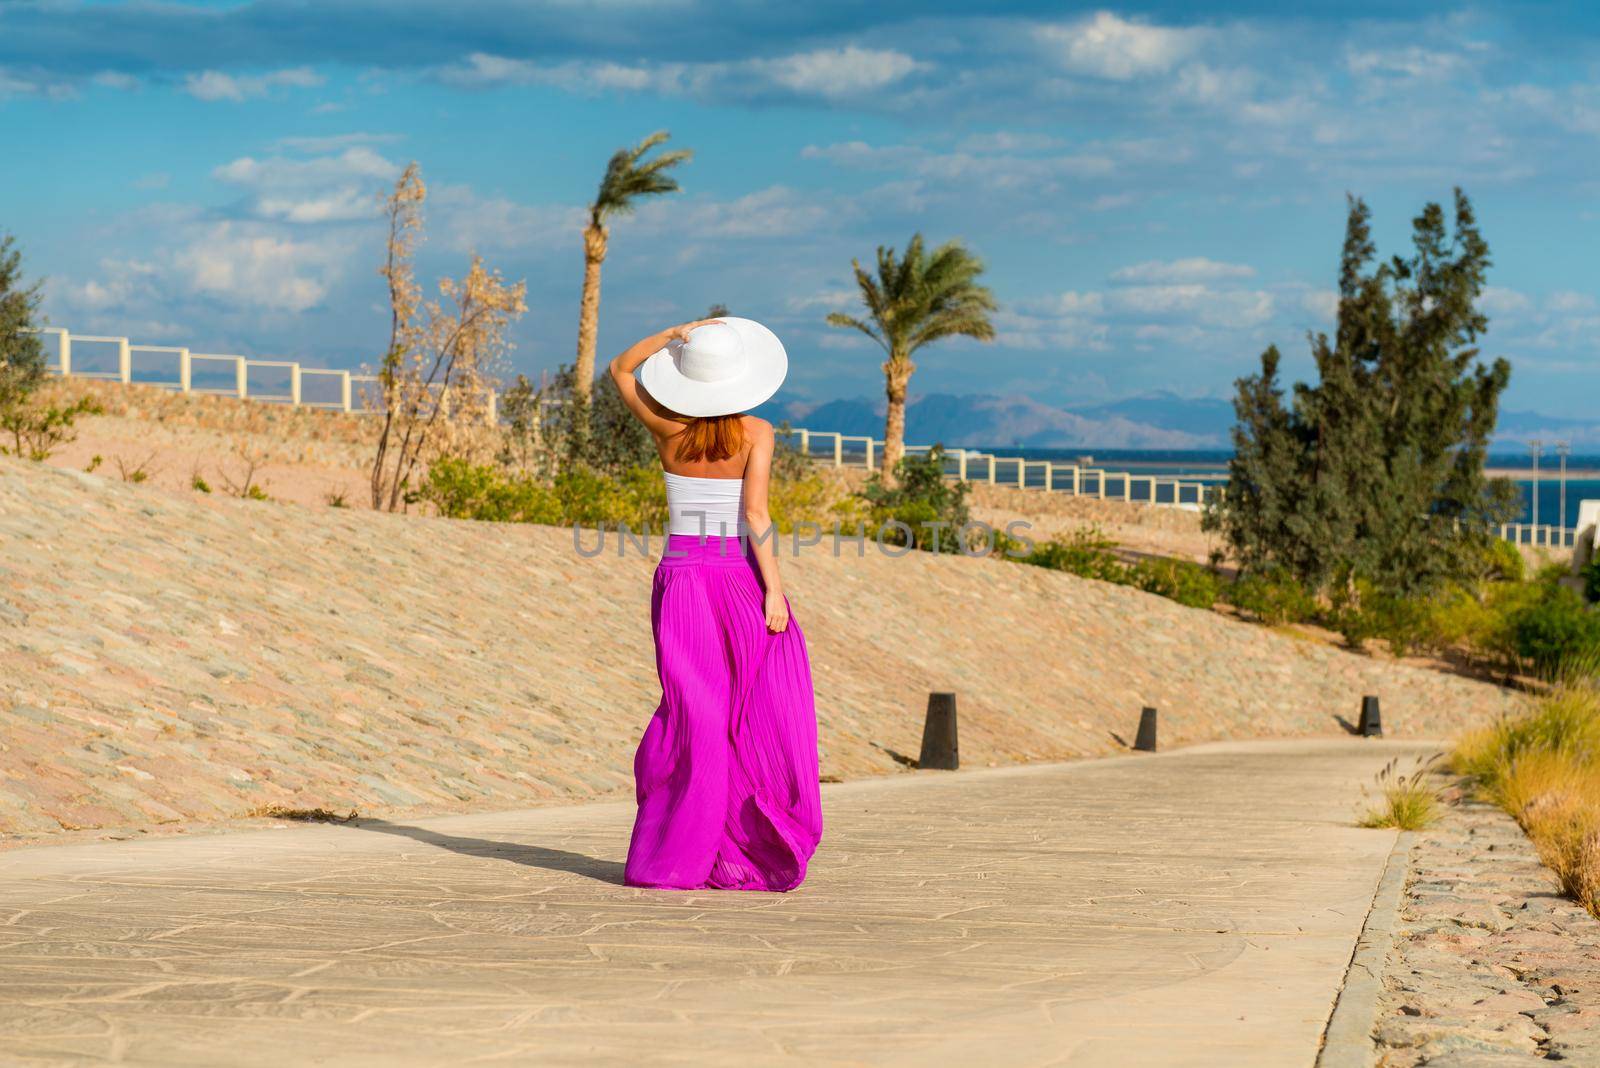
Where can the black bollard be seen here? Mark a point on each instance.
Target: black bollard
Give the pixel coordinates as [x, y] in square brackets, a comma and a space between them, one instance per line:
[1371, 719]
[939, 749]
[1145, 741]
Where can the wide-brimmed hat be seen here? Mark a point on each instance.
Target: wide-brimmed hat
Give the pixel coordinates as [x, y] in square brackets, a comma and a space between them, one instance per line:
[727, 366]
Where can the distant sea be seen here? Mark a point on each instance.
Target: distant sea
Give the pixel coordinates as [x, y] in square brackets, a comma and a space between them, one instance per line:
[1212, 465]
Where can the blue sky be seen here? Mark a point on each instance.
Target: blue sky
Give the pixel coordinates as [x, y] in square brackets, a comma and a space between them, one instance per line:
[1158, 190]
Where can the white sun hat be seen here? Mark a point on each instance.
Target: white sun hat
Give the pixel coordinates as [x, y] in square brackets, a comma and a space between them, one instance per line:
[727, 366]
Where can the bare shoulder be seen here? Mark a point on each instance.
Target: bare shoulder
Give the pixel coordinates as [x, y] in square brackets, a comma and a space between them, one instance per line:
[757, 428]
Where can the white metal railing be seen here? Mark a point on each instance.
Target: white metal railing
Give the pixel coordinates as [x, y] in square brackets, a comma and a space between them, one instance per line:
[841, 450]
[1055, 476]
[238, 382]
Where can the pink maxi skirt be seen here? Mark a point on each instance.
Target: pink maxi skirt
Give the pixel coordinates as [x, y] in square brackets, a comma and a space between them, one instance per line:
[727, 771]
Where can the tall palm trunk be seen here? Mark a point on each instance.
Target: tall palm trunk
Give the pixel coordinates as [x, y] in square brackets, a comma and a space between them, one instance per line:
[897, 375]
[594, 254]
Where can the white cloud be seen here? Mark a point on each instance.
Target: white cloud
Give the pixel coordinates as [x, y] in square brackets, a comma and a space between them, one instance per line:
[1214, 85]
[1020, 330]
[837, 72]
[1236, 308]
[1107, 46]
[250, 266]
[846, 300]
[1412, 63]
[1497, 300]
[1322, 304]
[1111, 201]
[994, 171]
[466, 222]
[335, 142]
[1070, 303]
[215, 85]
[15, 85]
[115, 79]
[1193, 269]
[828, 73]
[777, 211]
[316, 189]
[1567, 302]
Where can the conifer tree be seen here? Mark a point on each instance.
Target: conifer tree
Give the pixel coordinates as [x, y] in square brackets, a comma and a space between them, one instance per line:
[22, 361]
[1374, 474]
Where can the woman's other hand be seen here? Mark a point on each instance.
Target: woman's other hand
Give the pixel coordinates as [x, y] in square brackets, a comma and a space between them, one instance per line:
[777, 610]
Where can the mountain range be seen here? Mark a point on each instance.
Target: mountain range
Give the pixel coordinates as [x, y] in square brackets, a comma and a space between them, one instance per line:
[1159, 420]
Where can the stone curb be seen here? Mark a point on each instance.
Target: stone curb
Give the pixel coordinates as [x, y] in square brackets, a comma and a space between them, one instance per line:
[1347, 1041]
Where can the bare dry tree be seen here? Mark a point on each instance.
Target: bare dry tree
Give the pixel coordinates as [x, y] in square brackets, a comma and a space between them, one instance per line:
[136, 472]
[245, 487]
[435, 378]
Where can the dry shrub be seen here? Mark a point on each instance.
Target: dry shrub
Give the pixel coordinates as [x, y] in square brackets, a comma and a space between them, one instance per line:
[434, 381]
[1544, 769]
[1566, 831]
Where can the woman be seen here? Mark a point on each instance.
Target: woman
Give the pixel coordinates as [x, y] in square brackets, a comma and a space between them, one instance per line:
[727, 771]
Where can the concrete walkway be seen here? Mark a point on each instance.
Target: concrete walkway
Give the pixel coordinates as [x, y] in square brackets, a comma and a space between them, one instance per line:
[1198, 907]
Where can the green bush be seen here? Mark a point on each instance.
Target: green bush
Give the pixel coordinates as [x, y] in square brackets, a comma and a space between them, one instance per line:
[1180, 580]
[1502, 561]
[1555, 628]
[461, 490]
[1085, 552]
[581, 495]
[1273, 597]
[932, 506]
[1361, 612]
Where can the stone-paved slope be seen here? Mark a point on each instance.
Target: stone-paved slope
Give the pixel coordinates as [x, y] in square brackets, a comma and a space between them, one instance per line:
[1491, 967]
[170, 658]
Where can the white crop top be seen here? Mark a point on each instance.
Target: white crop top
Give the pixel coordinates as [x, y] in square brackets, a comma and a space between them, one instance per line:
[711, 507]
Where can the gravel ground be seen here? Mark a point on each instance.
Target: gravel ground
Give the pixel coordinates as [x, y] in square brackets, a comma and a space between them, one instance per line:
[1491, 966]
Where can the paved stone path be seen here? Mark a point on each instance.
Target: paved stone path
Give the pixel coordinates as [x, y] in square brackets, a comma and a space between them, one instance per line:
[1197, 907]
[1491, 968]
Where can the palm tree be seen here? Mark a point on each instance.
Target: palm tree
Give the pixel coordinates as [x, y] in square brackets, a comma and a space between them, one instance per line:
[917, 299]
[628, 178]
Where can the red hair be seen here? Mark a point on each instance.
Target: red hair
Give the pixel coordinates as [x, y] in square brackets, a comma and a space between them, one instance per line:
[712, 438]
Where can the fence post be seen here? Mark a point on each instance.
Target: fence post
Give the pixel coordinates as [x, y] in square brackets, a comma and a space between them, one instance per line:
[1100, 482]
[805, 442]
[64, 353]
[124, 361]
[838, 450]
[344, 389]
[870, 444]
[294, 384]
[241, 377]
[1077, 483]
[990, 460]
[184, 368]
[961, 465]
[1022, 473]
[1049, 477]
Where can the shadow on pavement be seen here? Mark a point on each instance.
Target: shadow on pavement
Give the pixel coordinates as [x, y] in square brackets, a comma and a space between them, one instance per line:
[605, 871]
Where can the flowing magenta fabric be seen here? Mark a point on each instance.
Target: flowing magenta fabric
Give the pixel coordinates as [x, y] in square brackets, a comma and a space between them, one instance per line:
[727, 771]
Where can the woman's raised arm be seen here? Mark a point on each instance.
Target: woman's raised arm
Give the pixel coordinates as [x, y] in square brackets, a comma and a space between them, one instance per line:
[644, 407]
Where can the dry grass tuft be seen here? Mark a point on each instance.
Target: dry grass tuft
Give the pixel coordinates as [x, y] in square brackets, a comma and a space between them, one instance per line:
[305, 815]
[1544, 769]
[1407, 802]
